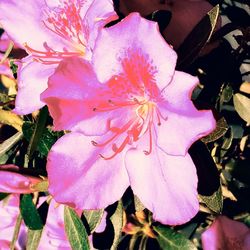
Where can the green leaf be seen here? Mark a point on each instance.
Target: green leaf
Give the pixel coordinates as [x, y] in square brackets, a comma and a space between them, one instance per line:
[29, 213]
[93, 218]
[13, 67]
[214, 202]
[220, 130]
[242, 106]
[75, 230]
[47, 139]
[117, 221]
[9, 143]
[227, 94]
[37, 133]
[138, 204]
[171, 240]
[33, 239]
[4, 98]
[197, 39]
[3, 196]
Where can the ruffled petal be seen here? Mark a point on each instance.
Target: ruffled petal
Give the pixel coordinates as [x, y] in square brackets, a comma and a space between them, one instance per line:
[98, 15]
[166, 185]
[131, 40]
[183, 124]
[72, 96]
[32, 81]
[78, 176]
[30, 14]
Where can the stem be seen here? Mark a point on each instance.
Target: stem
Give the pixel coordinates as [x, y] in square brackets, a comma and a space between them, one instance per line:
[16, 232]
[143, 243]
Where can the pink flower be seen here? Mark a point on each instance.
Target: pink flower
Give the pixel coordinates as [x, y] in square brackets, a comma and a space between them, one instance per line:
[50, 31]
[5, 67]
[11, 182]
[226, 234]
[132, 121]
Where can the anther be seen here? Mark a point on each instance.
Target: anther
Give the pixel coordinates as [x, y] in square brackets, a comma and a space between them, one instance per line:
[94, 143]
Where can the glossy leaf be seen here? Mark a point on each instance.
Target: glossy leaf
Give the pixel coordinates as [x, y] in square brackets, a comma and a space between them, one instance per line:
[33, 239]
[117, 221]
[245, 87]
[242, 106]
[220, 130]
[9, 143]
[138, 204]
[75, 230]
[38, 131]
[197, 39]
[214, 202]
[170, 239]
[46, 141]
[93, 218]
[3, 196]
[29, 213]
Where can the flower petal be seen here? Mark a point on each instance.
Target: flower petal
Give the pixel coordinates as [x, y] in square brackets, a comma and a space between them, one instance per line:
[133, 36]
[166, 185]
[54, 236]
[184, 123]
[9, 211]
[226, 234]
[78, 176]
[32, 81]
[72, 95]
[97, 16]
[11, 182]
[28, 14]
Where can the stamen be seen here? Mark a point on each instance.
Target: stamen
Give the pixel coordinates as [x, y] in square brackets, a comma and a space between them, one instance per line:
[120, 131]
[66, 22]
[160, 115]
[147, 152]
[49, 56]
[118, 150]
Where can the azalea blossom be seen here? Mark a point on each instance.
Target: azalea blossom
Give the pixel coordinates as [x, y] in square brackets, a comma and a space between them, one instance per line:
[132, 123]
[226, 234]
[50, 30]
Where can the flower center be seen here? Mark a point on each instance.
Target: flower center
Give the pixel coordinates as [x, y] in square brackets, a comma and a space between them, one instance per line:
[146, 114]
[65, 21]
[135, 91]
